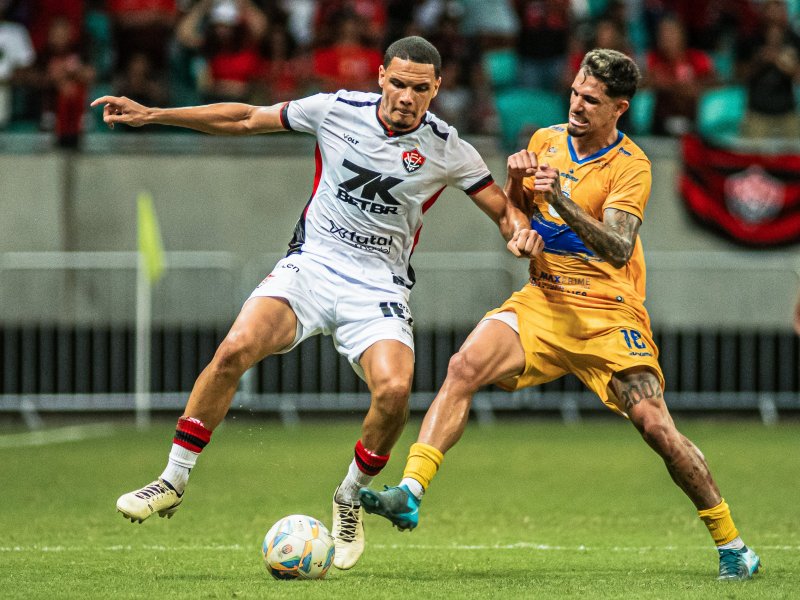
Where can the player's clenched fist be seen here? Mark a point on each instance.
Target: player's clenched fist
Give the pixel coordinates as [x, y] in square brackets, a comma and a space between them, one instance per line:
[526, 243]
[547, 180]
[522, 164]
[121, 110]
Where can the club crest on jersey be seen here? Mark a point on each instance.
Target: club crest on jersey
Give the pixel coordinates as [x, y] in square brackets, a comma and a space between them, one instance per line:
[412, 160]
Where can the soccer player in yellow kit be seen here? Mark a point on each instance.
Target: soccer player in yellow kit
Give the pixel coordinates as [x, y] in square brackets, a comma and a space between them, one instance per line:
[585, 186]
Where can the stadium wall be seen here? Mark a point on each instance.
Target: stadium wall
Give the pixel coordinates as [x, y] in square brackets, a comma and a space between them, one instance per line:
[247, 204]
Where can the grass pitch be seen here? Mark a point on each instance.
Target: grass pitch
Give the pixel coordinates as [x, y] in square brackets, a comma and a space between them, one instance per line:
[519, 510]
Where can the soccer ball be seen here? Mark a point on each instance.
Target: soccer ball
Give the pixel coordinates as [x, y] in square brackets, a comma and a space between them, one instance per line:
[298, 547]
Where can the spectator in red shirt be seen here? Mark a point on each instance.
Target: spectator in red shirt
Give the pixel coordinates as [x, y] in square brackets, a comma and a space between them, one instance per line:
[228, 34]
[142, 26]
[64, 78]
[678, 75]
[372, 13]
[44, 12]
[347, 63]
[544, 42]
[707, 22]
[768, 63]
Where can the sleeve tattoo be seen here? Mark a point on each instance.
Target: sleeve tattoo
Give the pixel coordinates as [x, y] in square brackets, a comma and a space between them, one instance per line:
[613, 238]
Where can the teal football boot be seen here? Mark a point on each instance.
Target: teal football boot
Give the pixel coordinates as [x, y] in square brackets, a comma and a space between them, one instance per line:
[396, 503]
[736, 565]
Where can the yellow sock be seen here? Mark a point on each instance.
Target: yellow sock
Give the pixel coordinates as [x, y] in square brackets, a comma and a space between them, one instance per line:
[422, 464]
[719, 522]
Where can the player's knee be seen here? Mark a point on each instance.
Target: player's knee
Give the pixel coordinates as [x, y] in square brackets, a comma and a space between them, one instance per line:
[660, 434]
[233, 357]
[390, 400]
[393, 391]
[462, 369]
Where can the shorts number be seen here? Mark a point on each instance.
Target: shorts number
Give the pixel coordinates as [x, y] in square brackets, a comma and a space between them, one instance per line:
[395, 309]
[633, 339]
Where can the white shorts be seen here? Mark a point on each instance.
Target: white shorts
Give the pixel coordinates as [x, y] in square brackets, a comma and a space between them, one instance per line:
[509, 317]
[354, 313]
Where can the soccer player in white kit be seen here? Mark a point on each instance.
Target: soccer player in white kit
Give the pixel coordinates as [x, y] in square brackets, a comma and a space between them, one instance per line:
[381, 162]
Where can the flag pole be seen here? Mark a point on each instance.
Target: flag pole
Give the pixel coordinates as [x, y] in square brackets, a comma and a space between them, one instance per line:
[149, 269]
[144, 322]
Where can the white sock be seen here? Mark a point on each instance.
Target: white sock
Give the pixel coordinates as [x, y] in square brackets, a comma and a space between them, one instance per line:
[414, 486]
[353, 481]
[736, 544]
[180, 463]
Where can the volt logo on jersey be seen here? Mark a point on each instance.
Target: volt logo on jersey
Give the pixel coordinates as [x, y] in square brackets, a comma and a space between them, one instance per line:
[412, 160]
[362, 241]
[372, 182]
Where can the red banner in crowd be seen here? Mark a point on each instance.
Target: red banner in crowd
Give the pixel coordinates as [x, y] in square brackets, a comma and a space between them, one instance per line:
[750, 197]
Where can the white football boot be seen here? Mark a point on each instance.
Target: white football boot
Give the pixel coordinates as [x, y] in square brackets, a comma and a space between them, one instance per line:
[158, 496]
[347, 532]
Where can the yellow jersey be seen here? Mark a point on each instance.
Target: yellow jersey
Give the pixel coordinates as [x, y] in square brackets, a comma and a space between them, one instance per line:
[618, 176]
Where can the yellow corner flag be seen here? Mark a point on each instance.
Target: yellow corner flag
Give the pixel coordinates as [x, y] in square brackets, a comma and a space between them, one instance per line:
[150, 244]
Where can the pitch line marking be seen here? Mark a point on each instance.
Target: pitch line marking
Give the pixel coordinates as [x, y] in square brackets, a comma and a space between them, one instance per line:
[46, 437]
[432, 547]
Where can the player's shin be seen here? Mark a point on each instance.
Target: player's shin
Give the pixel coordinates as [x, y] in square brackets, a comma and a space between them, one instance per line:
[191, 436]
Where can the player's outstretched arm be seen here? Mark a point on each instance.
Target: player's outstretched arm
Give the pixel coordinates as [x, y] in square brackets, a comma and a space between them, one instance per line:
[613, 238]
[225, 118]
[514, 227]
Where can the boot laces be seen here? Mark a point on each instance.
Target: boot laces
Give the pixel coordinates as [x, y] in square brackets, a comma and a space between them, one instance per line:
[149, 491]
[348, 520]
[730, 563]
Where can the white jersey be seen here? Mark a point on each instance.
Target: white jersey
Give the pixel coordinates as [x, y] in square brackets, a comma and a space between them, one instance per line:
[372, 185]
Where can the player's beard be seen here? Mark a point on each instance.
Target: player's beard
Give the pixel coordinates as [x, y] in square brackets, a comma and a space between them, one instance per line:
[571, 130]
[401, 125]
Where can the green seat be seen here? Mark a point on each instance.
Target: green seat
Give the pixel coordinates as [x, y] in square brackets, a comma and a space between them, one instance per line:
[724, 64]
[97, 26]
[720, 111]
[641, 112]
[522, 111]
[501, 67]
[597, 8]
[96, 123]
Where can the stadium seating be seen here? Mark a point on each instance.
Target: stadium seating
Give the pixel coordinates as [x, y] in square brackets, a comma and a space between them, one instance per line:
[522, 111]
[720, 111]
[641, 112]
[724, 64]
[501, 67]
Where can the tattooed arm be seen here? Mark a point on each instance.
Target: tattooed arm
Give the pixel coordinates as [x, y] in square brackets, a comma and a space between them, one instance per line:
[613, 238]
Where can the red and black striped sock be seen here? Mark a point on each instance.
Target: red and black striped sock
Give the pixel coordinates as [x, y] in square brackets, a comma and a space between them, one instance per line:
[369, 462]
[191, 434]
[364, 466]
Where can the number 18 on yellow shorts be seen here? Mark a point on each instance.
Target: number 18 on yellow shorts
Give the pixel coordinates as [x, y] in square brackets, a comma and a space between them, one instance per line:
[592, 339]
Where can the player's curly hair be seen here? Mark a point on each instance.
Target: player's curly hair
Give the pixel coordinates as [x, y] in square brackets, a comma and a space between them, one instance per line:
[617, 71]
[415, 49]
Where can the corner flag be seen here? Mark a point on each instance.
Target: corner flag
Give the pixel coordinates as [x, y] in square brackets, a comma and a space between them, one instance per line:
[150, 244]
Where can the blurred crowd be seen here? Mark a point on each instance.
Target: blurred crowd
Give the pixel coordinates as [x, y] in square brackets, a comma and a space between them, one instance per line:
[57, 54]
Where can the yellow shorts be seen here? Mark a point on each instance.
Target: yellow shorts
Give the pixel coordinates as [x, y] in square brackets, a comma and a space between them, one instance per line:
[591, 341]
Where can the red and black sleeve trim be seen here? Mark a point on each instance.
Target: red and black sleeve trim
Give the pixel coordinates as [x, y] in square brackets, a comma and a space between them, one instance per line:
[481, 185]
[285, 117]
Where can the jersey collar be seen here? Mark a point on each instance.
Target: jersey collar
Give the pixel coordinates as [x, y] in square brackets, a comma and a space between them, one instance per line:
[597, 154]
[391, 133]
